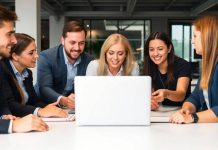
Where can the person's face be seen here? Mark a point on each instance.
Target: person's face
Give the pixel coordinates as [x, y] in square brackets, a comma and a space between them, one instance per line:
[28, 58]
[7, 38]
[158, 51]
[196, 40]
[74, 44]
[115, 56]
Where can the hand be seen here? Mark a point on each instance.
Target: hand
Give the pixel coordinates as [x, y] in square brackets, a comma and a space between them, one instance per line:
[68, 102]
[29, 123]
[180, 117]
[71, 96]
[159, 95]
[51, 111]
[9, 117]
[154, 105]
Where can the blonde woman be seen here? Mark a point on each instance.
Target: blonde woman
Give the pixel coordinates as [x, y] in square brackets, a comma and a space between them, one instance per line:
[202, 105]
[116, 59]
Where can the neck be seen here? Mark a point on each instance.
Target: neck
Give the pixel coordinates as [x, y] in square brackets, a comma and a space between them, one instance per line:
[163, 67]
[19, 68]
[114, 71]
[71, 61]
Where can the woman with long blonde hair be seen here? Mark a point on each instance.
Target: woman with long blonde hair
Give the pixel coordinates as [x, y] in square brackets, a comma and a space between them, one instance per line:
[202, 105]
[116, 59]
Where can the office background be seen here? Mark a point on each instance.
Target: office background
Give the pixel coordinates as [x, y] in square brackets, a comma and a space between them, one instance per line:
[135, 19]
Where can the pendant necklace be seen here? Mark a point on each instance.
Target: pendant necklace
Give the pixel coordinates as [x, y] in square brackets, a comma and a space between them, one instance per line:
[162, 81]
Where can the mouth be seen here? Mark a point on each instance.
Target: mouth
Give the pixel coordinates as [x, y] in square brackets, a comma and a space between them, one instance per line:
[158, 58]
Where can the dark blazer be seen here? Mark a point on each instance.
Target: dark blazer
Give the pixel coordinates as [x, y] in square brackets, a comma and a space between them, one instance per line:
[13, 96]
[52, 73]
[197, 97]
[4, 125]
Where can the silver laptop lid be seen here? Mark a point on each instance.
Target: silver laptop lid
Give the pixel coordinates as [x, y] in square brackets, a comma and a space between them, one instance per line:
[107, 100]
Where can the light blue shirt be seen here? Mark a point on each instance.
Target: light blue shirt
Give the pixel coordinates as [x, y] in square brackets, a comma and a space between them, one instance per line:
[71, 72]
[20, 78]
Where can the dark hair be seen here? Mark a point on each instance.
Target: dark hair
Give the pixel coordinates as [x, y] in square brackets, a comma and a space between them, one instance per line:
[23, 40]
[73, 26]
[149, 67]
[6, 15]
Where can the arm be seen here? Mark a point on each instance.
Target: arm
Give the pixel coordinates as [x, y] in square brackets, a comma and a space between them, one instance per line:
[92, 68]
[177, 96]
[45, 79]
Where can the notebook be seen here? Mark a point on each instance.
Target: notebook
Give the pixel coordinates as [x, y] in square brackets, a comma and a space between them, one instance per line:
[70, 117]
[108, 100]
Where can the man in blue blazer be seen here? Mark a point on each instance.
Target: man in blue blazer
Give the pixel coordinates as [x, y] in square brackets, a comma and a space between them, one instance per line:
[9, 123]
[58, 66]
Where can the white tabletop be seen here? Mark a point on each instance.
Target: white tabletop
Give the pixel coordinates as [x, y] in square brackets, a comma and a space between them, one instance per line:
[158, 136]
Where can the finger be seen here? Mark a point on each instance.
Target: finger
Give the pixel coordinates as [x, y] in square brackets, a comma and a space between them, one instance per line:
[54, 104]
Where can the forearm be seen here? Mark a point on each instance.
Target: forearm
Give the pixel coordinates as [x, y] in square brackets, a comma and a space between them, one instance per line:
[176, 96]
[207, 116]
[189, 106]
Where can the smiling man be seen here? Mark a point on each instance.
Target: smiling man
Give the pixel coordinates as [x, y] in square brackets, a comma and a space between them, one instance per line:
[58, 66]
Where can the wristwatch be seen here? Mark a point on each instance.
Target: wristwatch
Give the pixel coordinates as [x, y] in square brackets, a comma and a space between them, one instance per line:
[195, 117]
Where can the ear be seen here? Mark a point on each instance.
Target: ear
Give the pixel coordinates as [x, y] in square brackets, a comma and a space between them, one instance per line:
[15, 57]
[62, 40]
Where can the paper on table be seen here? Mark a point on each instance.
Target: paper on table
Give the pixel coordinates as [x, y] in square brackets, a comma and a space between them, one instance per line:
[71, 117]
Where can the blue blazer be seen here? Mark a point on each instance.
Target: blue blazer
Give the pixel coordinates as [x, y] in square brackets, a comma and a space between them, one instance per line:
[4, 125]
[197, 97]
[13, 96]
[52, 73]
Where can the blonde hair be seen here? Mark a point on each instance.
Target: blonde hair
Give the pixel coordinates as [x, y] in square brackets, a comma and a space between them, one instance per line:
[129, 61]
[208, 25]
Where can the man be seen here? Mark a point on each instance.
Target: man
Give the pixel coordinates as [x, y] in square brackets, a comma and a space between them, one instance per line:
[9, 123]
[58, 66]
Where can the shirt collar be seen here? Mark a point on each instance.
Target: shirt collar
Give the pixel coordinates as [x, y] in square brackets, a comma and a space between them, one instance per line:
[67, 61]
[24, 74]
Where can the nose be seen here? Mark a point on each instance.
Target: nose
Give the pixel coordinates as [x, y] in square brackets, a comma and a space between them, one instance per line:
[77, 46]
[36, 55]
[155, 52]
[13, 39]
[115, 56]
[192, 41]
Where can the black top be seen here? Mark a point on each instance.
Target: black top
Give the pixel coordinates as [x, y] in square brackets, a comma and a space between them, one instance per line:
[182, 68]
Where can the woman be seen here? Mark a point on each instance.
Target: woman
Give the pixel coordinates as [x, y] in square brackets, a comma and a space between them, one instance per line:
[21, 96]
[171, 75]
[202, 105]
[116, 59]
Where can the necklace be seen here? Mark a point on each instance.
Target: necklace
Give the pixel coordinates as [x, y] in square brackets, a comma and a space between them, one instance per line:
[162, 81]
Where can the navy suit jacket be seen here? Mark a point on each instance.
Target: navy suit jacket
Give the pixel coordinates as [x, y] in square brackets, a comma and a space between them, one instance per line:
[197, 97]
[13, 96]
[4, 124]
[52, 73]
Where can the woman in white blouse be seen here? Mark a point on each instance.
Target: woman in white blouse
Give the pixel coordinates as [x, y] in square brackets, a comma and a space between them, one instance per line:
[116, 59]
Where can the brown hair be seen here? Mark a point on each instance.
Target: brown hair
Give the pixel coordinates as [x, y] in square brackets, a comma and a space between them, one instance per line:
[23, 40]
[208, 25]
[6, 15]
[73, 26]
[149, 67]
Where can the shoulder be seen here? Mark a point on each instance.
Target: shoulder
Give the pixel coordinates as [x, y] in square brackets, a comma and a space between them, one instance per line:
[182, 68]
[93, 64]
[51, 52]
[181, 62]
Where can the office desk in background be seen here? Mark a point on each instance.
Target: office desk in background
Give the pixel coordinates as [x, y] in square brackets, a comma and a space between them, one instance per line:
[158, 136]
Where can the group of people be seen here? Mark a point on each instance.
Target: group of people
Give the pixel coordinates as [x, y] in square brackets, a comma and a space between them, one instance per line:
[22, 104]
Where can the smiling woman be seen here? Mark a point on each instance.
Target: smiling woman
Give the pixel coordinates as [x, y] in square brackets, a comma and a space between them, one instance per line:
[116, 59]
[20, 93]
[171, 75]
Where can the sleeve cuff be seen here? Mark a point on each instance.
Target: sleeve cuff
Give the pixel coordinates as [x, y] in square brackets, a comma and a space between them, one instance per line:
[35, 113]
[10, 126]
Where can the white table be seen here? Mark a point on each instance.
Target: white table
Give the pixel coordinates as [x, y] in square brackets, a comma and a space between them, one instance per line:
[158, 136]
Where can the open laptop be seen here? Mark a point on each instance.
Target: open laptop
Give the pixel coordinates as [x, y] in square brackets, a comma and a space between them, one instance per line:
[107, 100]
